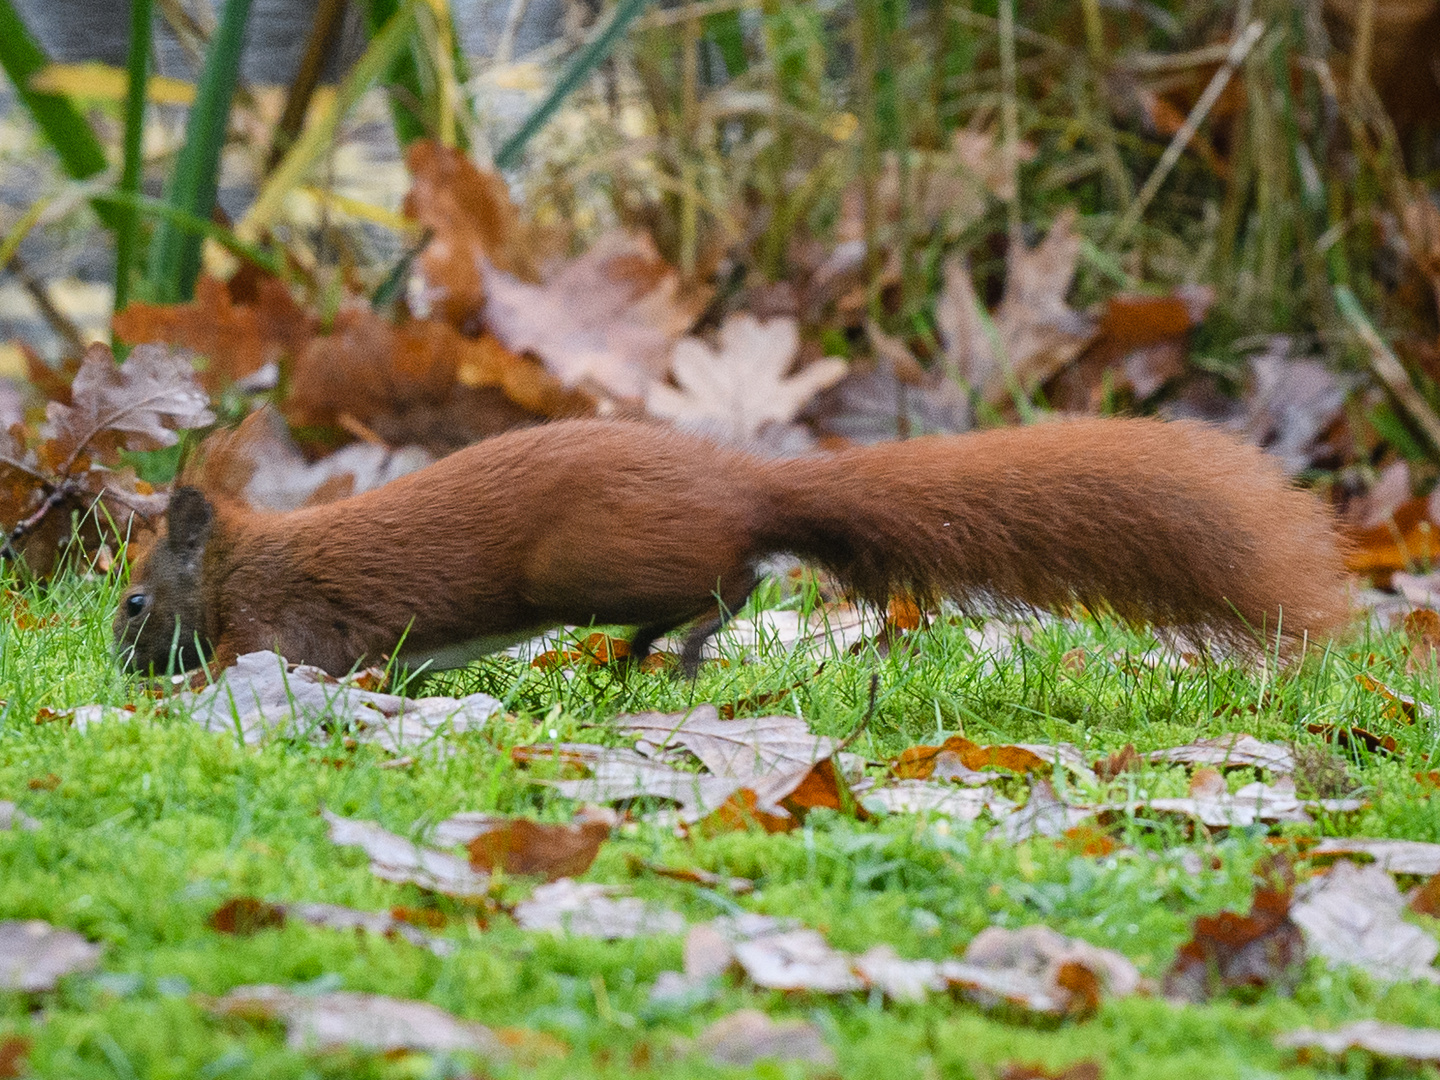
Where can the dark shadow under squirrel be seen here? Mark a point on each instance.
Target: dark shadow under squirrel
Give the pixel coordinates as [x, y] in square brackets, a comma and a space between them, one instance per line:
[581, 522]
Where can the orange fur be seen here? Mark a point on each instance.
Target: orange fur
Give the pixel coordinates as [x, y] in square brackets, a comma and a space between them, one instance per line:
[618, 523]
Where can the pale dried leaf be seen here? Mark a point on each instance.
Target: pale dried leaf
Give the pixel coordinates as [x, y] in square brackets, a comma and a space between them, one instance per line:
[748, 1036]
[744, 748]
[590, 910]
[1036, 332]
[1230, 751]
[12, 817]
[1353, 916]
[608, 320]
[145, 401]
[927, 797]
[797, 960]
[737, 390]
[1044, 814]
[897, 978]
[394, 858]
[620, 775]
[369, 1021]
[381, 923]
[1026, 967]
[1397, 856]
[34, 955]
[1372, 1036]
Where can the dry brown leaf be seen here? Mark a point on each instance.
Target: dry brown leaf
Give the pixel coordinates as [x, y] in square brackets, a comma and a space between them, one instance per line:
[470, 217]
[1041, 971]
[1400, 708]
[369, 1021]
[1422, 633]
[692, 874]
[1125, 760]
[1230, 752]
[960, 759]
[521, 846]
[234, 338]
[14, 1052]
[606, 321]
[1353, 916]
[748, 1036]
[1374, 1037]
[388, 924]
[925, 797]
[1355, 735]
[34, 955]
[394, 858]
[1228, 950]
[1035, 333]
[246, 915]
[738, 390]
[590, 910]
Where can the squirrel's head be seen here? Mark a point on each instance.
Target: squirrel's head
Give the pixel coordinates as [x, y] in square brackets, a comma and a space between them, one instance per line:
[161, 622]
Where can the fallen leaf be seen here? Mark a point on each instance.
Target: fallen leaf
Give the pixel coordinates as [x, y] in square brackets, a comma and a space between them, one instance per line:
[735, 391]
[922, 762]
[1397, 856]
[881, 968]
[34, 955]
[739, 886]
[796, 960]
[1425, 900]
[1125, 760]
[262, 695]
[1353, 916]
[1422, 633]
[14, 1050]
[590, 910]
[922, 797]
[620, 775]
[1293, 403]
[1260, 949]
[747, 747]
[1041, 971]
[245, 915]
[606, 321]
[1352, 735]
[12, 817]
[234, 339]
[1034, 333]
[1399, 707]
[745, 811]
[551, 851]
[1230, 752]
[1044, 814]
[748, 1036]
[1373, 1036]
[471, 218]
[382, 923]
[394, 858]
[370, 1021]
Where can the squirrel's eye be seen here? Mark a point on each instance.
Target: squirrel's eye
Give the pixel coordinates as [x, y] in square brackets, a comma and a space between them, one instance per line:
[135, 605]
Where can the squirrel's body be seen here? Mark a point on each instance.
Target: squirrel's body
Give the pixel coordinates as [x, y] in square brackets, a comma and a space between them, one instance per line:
[620, 523]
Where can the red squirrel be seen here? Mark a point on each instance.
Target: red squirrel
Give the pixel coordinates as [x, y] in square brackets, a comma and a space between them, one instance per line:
[590, 521]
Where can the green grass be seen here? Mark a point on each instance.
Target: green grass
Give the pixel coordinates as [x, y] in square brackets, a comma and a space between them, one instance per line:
[154, 823]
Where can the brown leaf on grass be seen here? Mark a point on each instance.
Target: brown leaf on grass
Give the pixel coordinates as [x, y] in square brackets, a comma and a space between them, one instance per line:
[1080, 1070]
[619, 775]
[590, 910]
[692, 874]
[1422, 634]
[1372, 1036]
[745, 811]
[1425, 900]
[394, 858]
[389, 924]
[234, 338]
[1035, 333]
[737, 391]
[606, 321]
[34, 955]
[1354, 735]
[1040, 971]
[14, 1050]
[1228, 950]
[595, 650]
[245, 915]
[471, 218]
[521, 846]
[1140, 345]
[1124, 760]
[749, 1036]
[1400, 708]
[1044, 814]
[1230, 752]
[367, 1021]
[1352, 915]
[1397, 856]
[1407, 538]
[957, 758]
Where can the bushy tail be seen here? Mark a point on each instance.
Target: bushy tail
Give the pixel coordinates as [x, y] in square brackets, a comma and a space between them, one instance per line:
[1173, 524]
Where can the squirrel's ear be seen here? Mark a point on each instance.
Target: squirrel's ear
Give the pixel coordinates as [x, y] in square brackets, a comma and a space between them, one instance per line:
[188, 520]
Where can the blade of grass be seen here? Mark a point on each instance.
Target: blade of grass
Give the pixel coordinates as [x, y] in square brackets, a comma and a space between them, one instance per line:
[402, 78]
[319, 134]
[201, 228]
[586, 61]
[175, 253]
[127, 233]
[59, 121]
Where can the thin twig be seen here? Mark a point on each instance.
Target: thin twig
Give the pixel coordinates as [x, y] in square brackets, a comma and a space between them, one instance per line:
[1387, 366]
[56, 496]
[40, 296]
[508, 32]
[1221, 79]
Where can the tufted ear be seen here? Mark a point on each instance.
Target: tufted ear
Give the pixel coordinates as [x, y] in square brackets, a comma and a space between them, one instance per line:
[188, 521]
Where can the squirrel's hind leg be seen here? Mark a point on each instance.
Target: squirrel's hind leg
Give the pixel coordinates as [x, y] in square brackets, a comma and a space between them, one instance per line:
[729, 601]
